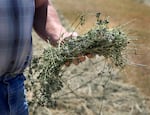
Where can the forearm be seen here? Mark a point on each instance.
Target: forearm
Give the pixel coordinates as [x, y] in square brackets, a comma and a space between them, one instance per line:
[47, 23]
[40, 18]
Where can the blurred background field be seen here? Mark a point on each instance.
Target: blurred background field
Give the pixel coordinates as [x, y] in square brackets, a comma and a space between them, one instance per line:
[128, 92]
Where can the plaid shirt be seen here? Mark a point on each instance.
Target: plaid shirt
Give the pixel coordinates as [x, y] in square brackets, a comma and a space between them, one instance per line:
[16, 19]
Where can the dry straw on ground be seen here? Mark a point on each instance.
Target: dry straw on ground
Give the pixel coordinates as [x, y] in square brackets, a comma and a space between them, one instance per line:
[100, 40]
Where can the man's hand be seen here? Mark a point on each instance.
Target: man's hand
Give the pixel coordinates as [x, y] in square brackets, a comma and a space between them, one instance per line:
[67, 35]
[47, 23]
[49, 27]
[79, 59]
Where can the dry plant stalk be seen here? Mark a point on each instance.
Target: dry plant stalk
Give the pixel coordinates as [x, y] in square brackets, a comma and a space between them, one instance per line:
[100, 40]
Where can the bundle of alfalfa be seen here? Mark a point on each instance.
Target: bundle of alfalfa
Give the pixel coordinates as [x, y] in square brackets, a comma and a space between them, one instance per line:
[100, 40]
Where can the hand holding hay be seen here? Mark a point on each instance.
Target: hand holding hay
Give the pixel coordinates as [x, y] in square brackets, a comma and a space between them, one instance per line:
[100, 40]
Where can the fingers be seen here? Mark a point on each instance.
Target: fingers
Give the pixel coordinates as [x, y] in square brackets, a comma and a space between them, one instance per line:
[75, 61]
[90, 55]
[67, 35]
[67, 63]
[70, 35]
[79, 59]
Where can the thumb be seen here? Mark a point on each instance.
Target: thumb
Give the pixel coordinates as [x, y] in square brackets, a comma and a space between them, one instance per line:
[70, 34]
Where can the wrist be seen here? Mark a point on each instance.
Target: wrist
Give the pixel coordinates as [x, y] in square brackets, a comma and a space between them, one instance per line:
[55, 33]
